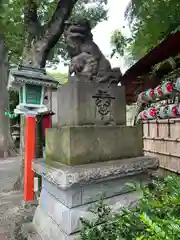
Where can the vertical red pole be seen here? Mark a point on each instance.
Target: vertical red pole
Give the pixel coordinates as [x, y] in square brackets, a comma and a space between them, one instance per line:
[29, 156]
[46, 123]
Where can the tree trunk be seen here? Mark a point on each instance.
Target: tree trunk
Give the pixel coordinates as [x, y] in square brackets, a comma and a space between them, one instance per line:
[36, 51]
[6, 145]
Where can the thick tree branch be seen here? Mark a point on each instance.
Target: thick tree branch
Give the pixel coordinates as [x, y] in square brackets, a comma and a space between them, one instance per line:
[31, 20]
[42, 46]
[56, 24]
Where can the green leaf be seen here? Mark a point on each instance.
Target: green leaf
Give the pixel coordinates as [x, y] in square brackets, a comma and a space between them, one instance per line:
[14, 30]
[150, 22]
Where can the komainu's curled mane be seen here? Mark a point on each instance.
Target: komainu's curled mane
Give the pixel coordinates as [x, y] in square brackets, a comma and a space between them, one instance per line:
[87, 60]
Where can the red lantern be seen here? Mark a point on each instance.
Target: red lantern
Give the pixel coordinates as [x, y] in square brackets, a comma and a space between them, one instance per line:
[167, 88]
[158, 91]
[172, 110]
[142, 115]
[162, 112]
[150, 95]
[151, 113]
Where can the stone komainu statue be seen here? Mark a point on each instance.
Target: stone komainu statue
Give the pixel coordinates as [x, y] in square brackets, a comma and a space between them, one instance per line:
[87, 60]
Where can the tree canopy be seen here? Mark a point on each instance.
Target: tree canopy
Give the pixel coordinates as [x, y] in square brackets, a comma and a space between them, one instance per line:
[13, 26]
[150, 22]
[33, 33]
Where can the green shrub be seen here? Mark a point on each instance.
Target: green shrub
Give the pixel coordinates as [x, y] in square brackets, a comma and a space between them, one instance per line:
[156, 217]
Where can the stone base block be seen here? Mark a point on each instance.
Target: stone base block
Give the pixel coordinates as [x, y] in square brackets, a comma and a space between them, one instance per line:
[86, 144]
[77, 104]
[80, 195]
[69, 191]
[55, 221]
[47, 229]
[67, 177]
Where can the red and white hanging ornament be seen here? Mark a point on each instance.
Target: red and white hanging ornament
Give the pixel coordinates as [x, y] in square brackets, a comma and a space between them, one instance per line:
[162, 112]
[177, 85]
[158, 91]
[150, 95]
[167, 88]
[151, 113]
[142, 115]
[148, 114]
[172, 110]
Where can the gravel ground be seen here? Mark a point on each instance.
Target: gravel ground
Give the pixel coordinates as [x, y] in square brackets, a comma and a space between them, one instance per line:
[9, 170]
[9, 200]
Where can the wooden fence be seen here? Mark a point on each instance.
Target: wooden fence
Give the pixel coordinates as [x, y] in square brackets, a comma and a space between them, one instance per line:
[162, 139]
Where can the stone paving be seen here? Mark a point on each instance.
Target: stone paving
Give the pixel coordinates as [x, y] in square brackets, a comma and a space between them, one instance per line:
[9, 170]
[9, 200]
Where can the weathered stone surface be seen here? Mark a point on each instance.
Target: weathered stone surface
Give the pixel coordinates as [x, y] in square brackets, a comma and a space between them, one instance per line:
[64, 176]
[76, 105]
[86, 144]
[29, 232]
[71, 197]
[79, 195]
[33, 236]
[48, 229]
[94, 192]
[57, 218]
[68, 220]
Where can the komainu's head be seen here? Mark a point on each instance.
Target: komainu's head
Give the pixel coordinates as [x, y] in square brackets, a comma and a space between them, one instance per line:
[76, 32]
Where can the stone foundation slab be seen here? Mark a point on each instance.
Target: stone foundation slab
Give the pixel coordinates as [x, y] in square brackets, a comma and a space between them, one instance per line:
[69, 191]
[61, 221]
[65, 177]
[79, 195]
[88, 144]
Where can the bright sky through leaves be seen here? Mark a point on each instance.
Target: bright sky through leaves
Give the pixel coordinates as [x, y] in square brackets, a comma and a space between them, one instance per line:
[103, 31]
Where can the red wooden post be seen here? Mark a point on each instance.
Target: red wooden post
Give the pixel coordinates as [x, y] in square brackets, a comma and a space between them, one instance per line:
[29, 156]
[47, 121]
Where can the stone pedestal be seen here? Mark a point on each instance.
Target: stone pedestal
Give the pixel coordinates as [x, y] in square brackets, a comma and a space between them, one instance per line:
[85, 144]
[69, 191]
[92, 153]
[77, 104]
[92, 125]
